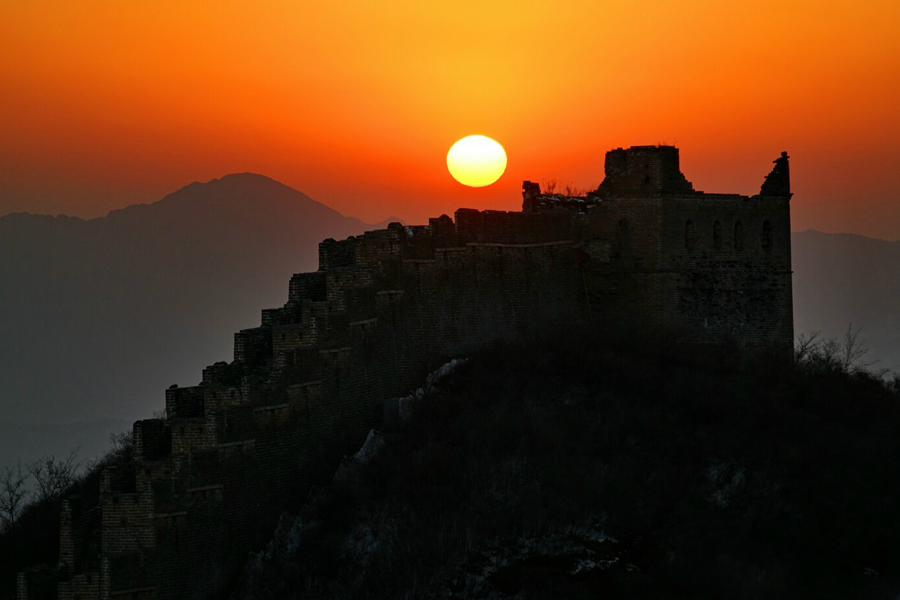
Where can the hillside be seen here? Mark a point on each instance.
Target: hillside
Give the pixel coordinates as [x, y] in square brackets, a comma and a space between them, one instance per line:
[703, 431]
[99, 316]
[614, 466]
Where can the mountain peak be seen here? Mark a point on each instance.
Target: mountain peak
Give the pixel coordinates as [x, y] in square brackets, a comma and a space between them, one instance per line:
[246, 178]
[235, 193]
[238, 182]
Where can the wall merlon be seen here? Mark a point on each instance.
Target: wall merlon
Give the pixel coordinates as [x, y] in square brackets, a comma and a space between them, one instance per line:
[307, 286]
[335, 254]
[184, 402]
[253, 345]
[442, 227]
[151, 439]
[289, 313]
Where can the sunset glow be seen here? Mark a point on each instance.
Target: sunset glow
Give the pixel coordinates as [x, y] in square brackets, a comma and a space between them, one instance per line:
[106, 104]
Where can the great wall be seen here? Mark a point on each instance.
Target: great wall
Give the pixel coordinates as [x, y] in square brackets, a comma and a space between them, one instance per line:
[210, 480]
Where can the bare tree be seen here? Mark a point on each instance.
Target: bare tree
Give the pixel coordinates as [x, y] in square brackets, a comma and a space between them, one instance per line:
[121, 442]
[53, 476]
[573, 190]
[553, 187]
[807, 346]
[852, 352]
[844, 354]
[13, 494]
[829, 351]
[549, 186]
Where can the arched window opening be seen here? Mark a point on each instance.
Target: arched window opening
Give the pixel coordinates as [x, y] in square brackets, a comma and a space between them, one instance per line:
[689, 236]
[767, 236]
[625, 234]
[738, 236]
[717, 235]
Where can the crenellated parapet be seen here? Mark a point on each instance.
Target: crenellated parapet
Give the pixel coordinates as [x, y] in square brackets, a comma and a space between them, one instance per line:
[384, 308]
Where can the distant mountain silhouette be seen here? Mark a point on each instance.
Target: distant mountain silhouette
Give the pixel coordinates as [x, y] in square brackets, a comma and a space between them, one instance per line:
[839, 279]
[98, 317]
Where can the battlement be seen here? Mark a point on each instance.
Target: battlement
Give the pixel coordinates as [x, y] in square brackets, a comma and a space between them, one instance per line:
[386, 307]
[643, 170]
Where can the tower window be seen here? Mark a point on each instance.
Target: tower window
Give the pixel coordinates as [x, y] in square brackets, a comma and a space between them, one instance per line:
[738, 236]
[624, 234]
[717, 235]
[689, 236]
[767, 236]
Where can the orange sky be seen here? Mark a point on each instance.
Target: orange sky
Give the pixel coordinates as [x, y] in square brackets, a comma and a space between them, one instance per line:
[108, 103]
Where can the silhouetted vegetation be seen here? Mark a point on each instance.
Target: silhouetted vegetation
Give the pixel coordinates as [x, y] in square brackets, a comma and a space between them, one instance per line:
[31, 537]
[724, 475]
[13, 494]
[552, 186]
[53, 476]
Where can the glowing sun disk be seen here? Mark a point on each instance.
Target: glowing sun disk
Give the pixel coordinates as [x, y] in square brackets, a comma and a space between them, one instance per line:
[476, 161]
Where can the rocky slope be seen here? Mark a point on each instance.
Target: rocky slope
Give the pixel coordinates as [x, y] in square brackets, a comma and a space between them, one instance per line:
[611, 465]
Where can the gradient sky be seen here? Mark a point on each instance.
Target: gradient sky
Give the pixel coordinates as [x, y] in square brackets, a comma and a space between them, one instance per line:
[109, 103]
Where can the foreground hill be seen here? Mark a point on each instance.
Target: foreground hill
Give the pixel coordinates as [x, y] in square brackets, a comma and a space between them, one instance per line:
[615, 466]
[840, 278]
[99, 316]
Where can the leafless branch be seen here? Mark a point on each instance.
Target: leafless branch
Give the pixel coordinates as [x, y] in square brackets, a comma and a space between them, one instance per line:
[548, 186]
[120, 442]
[13, 494]
[574, 191]
[852, 352]
[53, 476]
[806, 346]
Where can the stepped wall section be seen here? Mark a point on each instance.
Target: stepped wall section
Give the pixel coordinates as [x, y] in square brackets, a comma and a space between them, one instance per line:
[210, 480]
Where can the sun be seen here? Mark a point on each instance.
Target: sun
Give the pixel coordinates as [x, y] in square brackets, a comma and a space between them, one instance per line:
[476, 161]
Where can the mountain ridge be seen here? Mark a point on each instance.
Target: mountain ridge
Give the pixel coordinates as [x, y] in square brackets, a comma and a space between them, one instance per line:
[101, 315]
[844, 234]
[83, 297]
[240, 178]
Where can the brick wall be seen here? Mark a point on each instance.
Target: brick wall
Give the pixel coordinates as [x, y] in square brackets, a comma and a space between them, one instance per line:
[387, 307]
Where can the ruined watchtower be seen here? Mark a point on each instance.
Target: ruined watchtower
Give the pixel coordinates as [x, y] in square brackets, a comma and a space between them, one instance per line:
[715, 266]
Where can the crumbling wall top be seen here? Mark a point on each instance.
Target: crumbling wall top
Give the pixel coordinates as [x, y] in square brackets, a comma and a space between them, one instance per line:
[778, 181]
[644, 169]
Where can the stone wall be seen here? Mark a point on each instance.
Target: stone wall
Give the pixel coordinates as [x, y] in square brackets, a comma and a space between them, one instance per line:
[385, 308]
[306, 386]
[715, 267]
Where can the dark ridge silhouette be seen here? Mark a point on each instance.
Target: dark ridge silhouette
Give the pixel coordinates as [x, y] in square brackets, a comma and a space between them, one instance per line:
[614, 464]
[99, 316]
